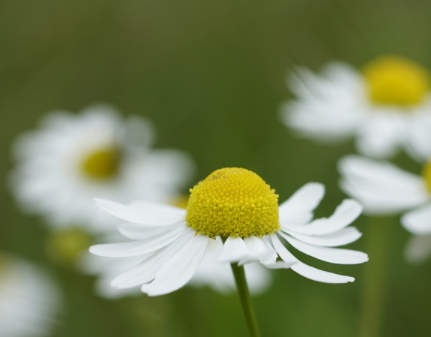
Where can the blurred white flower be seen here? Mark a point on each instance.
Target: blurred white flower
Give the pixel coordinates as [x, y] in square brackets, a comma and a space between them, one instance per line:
[169, 243]
[386, 106]
[73, 158]
[29, 300]
[385, 189]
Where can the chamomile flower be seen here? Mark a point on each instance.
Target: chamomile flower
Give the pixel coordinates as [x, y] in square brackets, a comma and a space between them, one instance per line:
[385, 106]
[211, 272]
[72, 158]
[238, 207]
[29, 300]
[385, 189]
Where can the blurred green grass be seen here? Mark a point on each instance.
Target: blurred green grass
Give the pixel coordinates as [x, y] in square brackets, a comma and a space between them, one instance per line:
[211, 76]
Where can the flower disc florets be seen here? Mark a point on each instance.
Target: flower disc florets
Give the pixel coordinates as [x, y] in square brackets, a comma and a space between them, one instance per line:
[102, 164]
[233, 202]
[426, 174]
[394, 80]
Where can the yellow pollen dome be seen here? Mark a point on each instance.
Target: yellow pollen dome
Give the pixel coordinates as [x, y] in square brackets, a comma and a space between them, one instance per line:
[233, 202]
[426, 173]
[102, 164]
[394, 80]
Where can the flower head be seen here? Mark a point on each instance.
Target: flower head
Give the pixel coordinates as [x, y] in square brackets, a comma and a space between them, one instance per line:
[386, 106]
[233, 202]
[238, 207]
[385, 189]
[75, 157]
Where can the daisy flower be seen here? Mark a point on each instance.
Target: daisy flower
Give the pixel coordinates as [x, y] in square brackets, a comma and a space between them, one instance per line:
[385, 106]
[212, 273]
[75, 157]
[238, 207]
[385, 189]
[29, 300]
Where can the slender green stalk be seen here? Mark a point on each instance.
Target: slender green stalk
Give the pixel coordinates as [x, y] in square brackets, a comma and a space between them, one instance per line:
[244, 295]
[378, 240]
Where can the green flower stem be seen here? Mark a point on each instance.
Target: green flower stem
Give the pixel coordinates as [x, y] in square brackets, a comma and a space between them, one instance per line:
[375, 271]
[244, 295]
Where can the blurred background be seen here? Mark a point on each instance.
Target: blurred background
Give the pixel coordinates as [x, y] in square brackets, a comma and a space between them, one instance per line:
[211, 76]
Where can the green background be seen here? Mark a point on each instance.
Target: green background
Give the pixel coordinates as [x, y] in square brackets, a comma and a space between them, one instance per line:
[211, 76]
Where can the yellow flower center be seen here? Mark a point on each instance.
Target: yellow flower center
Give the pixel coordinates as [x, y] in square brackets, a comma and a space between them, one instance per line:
[394, 80]
[102, 164]
[233, 202]
[67, 245]
[426, 173]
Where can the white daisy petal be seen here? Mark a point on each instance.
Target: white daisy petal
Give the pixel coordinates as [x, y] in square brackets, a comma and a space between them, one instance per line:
[381, 135]
[331, 255]
[320, 275]
[418, 221]
[219, 276]
[282, 251]
[302, 202]
[139, 247]
[419, 137]
[234, 249]
[29, 300]
[137, 232]
[381, 187]
[146, 271]
[339, 238]
[305, 270]
[178, 270]
[142, 216]
[259, 251]
[343, 216]
[418, 249]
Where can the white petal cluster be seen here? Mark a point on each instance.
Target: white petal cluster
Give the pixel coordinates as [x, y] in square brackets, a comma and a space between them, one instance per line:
[29, 301]
[386, 189]
[48, 179]
[170, 252]
[334, 105]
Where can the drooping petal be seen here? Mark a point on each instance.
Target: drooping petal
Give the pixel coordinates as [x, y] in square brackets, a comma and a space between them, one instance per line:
[418, 221]
[305, 270]
[146, 271]
[139, 247]
[320, 275]
[178, 270]
[339, 238]
[332, 255]
[282, 251]
[234, 249]
[259, 251]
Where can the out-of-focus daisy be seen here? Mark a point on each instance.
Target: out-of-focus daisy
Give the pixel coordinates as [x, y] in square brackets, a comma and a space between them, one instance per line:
[237, 206]
[73, 157]
[385, 189]
[29, 301]
[386, 106]
[211, 272]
